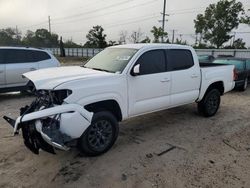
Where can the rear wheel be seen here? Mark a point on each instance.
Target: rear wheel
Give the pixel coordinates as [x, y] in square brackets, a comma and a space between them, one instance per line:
[210, 103]
[100, 135]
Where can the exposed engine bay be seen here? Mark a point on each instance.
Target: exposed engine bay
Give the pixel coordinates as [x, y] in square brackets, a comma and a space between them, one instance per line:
[50, 123]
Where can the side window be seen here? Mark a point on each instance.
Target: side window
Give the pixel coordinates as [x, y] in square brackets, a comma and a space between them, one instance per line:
[1, 57]
[247, 64]
[152, 62]
[179, 59]
[17, 56]
[40, 55]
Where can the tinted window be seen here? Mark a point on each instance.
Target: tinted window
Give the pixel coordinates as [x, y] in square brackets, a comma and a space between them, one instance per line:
[1, 57]
[17, 56]
[40, 56]
[179, 59]
[152, 62]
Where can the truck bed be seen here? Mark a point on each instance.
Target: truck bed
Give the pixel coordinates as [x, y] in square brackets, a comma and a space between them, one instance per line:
[211, 65]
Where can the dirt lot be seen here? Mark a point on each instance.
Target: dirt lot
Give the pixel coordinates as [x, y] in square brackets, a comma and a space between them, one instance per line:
[207, 152]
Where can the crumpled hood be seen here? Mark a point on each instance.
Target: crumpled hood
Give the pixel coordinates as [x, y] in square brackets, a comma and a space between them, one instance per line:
[52, 77]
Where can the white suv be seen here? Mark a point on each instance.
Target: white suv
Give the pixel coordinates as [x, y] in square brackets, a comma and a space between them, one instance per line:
[15, 61]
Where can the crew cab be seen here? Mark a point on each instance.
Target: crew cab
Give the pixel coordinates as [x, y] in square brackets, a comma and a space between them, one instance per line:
[81, 106]
[15, 61]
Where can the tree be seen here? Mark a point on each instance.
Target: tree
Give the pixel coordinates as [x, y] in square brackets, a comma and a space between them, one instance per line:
[158, 33]
[218, 21]
[96, 38]
[112, 43]
[40, 38]
[135, 36]
[237, 44]
[146, 40]
[71, 44]
[10, 36]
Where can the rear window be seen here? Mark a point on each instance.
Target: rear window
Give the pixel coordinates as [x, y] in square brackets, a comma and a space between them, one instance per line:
[179, 59]
[40, 56]
[239, 65]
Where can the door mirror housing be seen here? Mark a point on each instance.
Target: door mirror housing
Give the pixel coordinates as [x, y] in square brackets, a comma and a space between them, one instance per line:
[136, 70]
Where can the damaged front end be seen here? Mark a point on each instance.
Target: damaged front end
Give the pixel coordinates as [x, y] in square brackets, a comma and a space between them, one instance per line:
[50, 123]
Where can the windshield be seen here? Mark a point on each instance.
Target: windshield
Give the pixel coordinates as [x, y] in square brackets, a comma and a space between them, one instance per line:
[239, 65]
[111, 59]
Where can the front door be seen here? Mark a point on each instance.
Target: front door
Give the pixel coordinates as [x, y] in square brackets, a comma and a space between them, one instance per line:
[150, 90]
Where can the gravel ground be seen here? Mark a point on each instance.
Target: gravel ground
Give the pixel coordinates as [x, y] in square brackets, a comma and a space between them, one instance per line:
[171, 148]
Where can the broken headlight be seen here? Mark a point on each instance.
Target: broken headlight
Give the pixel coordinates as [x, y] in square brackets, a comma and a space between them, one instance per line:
[58, 96]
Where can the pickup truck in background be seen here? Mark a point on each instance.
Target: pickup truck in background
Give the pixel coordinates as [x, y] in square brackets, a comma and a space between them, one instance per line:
[81, 106]
[15, 61]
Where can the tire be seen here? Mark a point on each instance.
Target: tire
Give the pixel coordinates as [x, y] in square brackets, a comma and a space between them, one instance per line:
[210, 103]
[244, 87]
[93, 142]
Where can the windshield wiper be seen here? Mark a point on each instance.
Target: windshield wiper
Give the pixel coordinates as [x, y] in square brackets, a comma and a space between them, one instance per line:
[99, 69]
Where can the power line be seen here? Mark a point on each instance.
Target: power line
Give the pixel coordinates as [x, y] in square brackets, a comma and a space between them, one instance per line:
[108, 13]
[143, 18]
[92, 11]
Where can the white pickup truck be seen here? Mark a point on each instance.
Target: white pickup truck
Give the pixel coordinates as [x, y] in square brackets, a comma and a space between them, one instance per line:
[81, 106]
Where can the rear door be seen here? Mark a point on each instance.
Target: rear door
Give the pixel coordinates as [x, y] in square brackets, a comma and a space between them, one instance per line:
[2, 69]
[186, 76]
[18, 62]
[150, 90]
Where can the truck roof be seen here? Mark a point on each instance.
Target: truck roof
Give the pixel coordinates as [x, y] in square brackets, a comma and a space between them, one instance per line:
[150, 45]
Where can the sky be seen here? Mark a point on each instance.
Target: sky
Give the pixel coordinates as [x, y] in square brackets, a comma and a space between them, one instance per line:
[73, 19]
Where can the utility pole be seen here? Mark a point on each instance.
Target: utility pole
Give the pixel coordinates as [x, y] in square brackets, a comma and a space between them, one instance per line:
[16, 32]
[163, 20]
[173, 36]
[49, 25]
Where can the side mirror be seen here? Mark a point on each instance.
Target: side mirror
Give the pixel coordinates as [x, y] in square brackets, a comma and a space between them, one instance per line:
[136, 70]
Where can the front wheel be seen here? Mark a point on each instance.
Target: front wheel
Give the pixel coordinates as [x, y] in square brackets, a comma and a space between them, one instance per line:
[100, 135]
[210, 103]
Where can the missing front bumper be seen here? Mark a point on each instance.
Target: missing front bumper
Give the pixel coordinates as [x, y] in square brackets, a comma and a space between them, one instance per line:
[41, 130]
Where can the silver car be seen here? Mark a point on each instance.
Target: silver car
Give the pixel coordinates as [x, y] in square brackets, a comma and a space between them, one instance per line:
[14, 61]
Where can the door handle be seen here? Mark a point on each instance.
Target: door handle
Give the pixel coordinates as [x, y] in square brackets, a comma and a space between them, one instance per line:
[165, 80]
[194, 76]
[32, 69]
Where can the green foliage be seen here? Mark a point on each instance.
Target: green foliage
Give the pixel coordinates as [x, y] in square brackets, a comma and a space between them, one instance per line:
[158, 33]
[71, 44]
[179, 41]
[10, 36]
[96, 38]
[146, 40]
[218, 21]
[112, 43]
[237, 44]
[40, 38]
